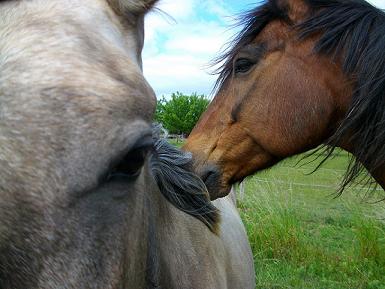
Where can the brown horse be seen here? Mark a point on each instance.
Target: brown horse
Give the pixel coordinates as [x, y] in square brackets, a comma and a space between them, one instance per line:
[301, 73]
[87, 199]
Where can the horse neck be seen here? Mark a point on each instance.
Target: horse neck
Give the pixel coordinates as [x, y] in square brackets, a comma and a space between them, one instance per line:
[181, 240]
[162, 222]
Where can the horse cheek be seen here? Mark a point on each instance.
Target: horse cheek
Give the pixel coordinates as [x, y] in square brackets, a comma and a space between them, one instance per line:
[297, 107]
[304, 119]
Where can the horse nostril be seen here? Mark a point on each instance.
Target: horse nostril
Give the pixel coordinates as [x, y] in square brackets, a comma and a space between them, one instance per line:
[209, 174]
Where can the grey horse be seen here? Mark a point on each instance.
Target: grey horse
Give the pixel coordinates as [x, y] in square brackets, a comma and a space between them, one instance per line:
[87, 198]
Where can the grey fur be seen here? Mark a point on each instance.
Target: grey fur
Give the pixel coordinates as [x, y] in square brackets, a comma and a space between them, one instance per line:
[73, 104]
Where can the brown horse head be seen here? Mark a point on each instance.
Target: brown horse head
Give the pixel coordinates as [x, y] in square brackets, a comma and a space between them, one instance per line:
[301, 73]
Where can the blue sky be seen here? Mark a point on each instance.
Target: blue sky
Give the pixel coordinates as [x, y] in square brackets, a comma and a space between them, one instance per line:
[179, 47]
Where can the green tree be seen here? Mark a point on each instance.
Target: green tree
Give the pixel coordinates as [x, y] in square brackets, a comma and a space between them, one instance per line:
[181, 112]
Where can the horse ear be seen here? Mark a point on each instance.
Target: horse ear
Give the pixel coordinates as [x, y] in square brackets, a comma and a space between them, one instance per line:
[137, 7]
[297, 10]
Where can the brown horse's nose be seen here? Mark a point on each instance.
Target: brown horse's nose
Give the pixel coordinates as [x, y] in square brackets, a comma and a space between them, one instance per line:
[208, 173]
[211, 177]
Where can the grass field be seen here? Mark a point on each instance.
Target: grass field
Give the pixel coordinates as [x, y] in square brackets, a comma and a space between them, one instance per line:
[303, 237]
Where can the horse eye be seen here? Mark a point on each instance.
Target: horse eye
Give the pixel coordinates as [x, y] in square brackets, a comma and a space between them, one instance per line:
[131, 165]
[243, 65]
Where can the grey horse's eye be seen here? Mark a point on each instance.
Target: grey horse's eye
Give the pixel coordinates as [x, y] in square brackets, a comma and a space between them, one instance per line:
[131, 164]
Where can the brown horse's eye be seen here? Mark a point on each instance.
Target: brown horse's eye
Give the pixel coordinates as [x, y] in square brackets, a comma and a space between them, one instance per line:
[243, 65]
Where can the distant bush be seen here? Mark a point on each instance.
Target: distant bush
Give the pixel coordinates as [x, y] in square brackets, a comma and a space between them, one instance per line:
[180, 113]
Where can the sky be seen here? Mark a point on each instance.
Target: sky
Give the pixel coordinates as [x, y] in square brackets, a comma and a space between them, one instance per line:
[181, 41]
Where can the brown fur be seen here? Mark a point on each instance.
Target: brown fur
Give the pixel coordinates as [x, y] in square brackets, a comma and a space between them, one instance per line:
[289, 102]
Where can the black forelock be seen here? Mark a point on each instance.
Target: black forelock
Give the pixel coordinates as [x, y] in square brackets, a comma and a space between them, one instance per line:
[353, 31]
[252, 22]
[172, 169]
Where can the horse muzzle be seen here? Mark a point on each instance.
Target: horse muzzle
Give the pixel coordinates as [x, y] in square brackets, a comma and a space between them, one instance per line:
[213, 179]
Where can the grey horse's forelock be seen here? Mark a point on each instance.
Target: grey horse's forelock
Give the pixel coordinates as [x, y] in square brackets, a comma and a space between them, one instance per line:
[172, 170]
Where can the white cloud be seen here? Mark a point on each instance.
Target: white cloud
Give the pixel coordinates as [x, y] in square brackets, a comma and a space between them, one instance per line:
[177, 52]
[178, 73]
[204, 39]
[378, 3]
[167, 15]
[218, 8]
[178, 49]
[177, 9]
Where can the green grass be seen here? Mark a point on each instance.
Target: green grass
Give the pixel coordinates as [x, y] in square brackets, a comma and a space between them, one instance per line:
[304, 237]
[177, 143]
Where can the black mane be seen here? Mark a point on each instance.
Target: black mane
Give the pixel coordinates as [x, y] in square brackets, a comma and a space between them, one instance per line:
[172, 169]
[355, 30]
[252, 23]
[352, 31]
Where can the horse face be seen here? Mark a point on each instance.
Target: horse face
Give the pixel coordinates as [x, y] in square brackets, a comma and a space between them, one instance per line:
[73, 105]
[277, 100]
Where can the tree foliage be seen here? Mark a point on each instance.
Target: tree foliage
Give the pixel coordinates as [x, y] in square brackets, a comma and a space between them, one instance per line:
[180, 113]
